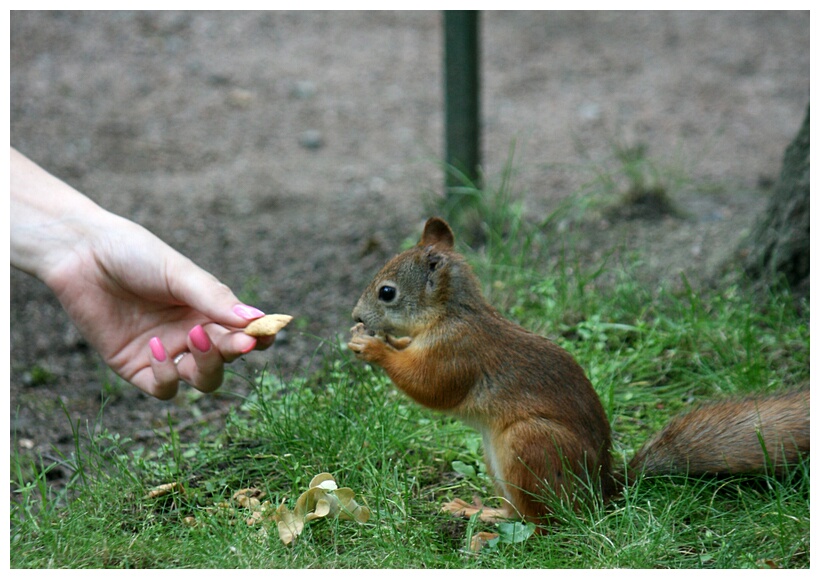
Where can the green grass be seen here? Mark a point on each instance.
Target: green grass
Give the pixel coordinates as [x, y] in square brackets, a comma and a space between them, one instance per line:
[649, 352]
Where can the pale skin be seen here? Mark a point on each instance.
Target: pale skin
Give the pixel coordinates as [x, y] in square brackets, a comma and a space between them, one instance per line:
[137, 301]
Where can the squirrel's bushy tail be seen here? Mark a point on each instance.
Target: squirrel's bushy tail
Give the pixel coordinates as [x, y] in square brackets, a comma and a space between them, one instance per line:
[752, 435]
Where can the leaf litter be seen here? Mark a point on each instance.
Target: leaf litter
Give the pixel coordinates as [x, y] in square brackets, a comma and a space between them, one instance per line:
[323, 499]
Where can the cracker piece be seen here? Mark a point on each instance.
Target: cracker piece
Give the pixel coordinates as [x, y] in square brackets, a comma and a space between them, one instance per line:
[267, 325]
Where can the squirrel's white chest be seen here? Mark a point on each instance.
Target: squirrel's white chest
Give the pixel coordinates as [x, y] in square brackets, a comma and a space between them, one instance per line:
[494, 465]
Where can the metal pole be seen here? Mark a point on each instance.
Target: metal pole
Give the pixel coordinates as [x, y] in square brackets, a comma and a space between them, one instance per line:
[461, 95]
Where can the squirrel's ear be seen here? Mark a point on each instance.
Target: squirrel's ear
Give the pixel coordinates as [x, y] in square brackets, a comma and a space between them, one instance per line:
[437, 232]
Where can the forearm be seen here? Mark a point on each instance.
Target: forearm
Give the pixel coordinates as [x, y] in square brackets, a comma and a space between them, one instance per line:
[49, 219]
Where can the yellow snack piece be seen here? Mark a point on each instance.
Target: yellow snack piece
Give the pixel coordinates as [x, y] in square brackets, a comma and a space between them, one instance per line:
[267, 325]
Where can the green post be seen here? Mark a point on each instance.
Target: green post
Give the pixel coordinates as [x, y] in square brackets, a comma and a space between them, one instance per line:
[461, 95]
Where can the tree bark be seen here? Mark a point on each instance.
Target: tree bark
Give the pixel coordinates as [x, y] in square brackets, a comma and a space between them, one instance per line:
[777, 249]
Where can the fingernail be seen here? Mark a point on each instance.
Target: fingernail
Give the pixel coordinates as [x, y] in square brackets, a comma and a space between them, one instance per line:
[199, 338]
[251, 345]
[157, 349]
[247, 312]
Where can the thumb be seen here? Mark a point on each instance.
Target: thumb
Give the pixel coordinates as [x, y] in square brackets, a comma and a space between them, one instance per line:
[202, 291]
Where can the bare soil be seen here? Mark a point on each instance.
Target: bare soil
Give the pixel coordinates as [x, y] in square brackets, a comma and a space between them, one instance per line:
[291, 153]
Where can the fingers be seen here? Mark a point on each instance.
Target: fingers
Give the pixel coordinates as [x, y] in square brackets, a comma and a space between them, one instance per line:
[264, 342]
[210, 350]
[201, 366]
[207, 371]
[201, 291]
[163, 381]
[204, 293]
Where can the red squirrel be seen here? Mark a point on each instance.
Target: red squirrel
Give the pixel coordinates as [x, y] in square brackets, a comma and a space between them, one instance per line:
[424, 320]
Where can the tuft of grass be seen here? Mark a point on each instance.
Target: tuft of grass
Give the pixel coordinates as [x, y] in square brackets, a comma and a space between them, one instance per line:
[650, 352]
[643, 188]
[633, 184]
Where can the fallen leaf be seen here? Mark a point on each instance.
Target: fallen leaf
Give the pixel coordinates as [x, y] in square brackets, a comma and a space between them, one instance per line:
[482, 539]
[248, 498]
[324, 480]
[164, 489]
[322, 499]
[288, 525]
[351, 510]
[255, 517]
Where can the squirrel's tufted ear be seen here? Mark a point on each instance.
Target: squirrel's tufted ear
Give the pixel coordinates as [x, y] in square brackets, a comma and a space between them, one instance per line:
[437, 233]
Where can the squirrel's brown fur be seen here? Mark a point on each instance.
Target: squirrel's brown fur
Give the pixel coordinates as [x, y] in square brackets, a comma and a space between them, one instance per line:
[424, 320]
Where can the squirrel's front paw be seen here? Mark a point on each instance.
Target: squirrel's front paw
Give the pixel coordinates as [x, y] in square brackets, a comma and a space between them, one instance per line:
[366, 343]
[360, 339]
[359, 329]
[398, 343]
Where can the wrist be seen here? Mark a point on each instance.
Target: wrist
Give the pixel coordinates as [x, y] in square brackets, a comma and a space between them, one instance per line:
[49, 219]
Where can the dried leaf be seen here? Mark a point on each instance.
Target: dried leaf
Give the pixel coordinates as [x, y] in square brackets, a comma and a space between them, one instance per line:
[351, 510]
[164, 489]
[248, 498]
[255, 517]
[344, 494]
[306, 502]
[481, 540]
[322, 499]
[324, 480]
[288, 525]
[323, 508]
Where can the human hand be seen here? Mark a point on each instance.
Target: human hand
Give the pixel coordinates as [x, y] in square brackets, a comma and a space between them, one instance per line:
[139, 303]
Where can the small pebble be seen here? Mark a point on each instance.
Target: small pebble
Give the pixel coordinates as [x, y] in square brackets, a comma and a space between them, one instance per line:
[311, 139]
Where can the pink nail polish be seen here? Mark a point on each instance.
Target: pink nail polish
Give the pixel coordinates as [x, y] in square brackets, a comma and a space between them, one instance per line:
[157, 350]
[199, 338]
[247, 312]
[249, 347]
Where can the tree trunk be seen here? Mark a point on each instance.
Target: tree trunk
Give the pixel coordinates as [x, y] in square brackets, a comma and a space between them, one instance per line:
[777, 249]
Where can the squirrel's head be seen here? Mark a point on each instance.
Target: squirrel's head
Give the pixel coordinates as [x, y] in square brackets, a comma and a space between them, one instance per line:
[417, 286]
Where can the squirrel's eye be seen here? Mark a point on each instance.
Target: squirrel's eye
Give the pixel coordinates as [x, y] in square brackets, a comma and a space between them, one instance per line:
[387, 293]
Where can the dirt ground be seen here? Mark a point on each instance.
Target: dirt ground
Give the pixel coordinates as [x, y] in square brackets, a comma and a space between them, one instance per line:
[290, 153]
